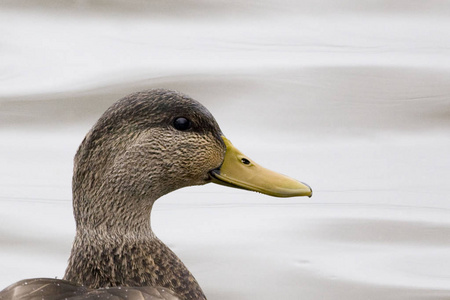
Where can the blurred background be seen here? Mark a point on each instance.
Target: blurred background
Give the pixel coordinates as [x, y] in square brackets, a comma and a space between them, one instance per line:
[351, 97]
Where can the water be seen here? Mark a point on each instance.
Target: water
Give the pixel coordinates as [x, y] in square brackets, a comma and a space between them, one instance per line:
[352, 99]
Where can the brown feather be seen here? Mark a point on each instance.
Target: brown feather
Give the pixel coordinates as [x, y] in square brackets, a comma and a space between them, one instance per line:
[132, 156]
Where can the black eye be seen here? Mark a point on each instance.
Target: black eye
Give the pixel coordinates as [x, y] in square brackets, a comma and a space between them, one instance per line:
[181, 123]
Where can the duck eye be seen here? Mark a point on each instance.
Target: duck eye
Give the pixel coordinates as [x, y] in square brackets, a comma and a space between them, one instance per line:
[181, 123]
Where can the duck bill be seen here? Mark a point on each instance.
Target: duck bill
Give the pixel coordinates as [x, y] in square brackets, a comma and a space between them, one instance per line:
[239, 171]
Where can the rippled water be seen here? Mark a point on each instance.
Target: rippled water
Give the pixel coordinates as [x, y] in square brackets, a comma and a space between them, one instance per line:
[354, 100]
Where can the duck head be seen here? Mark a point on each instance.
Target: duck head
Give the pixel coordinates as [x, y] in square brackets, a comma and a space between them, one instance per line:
[153, 142]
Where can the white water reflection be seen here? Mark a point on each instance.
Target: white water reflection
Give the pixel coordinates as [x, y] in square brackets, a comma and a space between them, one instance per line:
[353, 101]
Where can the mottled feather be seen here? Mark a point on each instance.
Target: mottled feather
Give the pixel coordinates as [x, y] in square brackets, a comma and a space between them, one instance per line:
[132, 156]
[57, 289]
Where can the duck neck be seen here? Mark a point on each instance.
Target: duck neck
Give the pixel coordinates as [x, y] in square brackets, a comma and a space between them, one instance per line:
[120, 249]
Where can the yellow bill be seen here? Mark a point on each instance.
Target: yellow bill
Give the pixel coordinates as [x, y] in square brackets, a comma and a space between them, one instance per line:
[239, 171]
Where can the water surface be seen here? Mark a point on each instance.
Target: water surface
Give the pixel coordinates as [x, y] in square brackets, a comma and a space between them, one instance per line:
[352, 99]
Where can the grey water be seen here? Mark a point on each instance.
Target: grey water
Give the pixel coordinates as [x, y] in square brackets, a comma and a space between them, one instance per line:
[352, 98]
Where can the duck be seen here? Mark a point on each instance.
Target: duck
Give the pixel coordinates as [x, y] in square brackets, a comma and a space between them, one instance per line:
[144, 146]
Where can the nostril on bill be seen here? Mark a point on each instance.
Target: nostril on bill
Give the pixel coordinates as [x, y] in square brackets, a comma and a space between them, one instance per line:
[245, 161]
